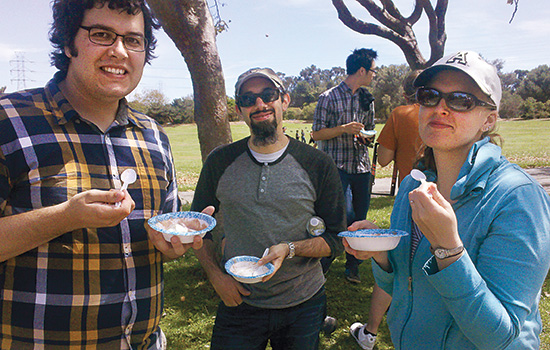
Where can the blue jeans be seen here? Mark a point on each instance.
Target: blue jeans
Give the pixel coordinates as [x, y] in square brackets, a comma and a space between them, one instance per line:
[357, 193]
[247, 327]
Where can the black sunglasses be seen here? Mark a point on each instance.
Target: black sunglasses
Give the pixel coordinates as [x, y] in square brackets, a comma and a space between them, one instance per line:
[248, 99]
[456, 101]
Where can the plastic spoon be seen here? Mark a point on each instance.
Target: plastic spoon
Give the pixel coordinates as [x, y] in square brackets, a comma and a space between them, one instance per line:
[258, 267]
[128, 177]
[418, 175]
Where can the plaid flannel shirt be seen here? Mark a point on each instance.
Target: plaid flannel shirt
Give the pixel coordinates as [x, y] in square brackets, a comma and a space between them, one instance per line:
[90, 288]
[338, 106]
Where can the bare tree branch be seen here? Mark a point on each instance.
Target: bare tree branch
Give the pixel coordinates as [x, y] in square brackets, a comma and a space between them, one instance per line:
[392, 10]
[398, 29]
[515, 3]
[437, 35]
[415, 15]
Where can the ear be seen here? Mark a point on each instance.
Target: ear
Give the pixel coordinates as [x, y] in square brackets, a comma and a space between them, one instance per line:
[490, 121]
[67, 51]
[239, 111]
[286, 101]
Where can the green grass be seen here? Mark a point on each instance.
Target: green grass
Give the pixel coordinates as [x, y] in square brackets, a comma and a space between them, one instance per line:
[191, 303]
[526, 143]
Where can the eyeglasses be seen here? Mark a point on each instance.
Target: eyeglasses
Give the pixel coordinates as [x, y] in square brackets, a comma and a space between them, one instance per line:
[374, 71]
[248, 99]
[456, 101]
[105, 37]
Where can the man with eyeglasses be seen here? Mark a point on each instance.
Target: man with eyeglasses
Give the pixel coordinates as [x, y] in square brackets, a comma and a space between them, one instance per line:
[76, 270]
[265, 189]
[342, 114]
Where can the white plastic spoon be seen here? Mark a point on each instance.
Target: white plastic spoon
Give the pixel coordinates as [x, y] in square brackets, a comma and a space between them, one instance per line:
[258, 267]
[418, 175]
[128, 177]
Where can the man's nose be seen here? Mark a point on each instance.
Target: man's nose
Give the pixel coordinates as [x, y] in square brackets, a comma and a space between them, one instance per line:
[118, 48]
[260, 102]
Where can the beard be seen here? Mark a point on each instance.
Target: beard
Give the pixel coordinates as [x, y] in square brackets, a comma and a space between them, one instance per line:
[265, 132]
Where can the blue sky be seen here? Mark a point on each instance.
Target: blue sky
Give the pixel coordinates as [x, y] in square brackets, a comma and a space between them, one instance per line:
[289, 35]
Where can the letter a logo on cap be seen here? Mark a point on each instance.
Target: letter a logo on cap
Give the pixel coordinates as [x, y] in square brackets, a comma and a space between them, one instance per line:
[459, 58]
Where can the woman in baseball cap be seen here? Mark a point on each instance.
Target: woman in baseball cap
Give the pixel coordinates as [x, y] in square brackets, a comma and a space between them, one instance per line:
[470, 273]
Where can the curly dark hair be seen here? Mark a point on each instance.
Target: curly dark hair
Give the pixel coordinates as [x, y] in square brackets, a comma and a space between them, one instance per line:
[68, 16]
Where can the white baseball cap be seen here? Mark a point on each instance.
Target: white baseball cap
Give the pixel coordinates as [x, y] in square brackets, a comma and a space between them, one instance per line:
[470, 62]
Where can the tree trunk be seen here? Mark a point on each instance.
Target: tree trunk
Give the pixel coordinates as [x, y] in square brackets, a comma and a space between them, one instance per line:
[189, 24]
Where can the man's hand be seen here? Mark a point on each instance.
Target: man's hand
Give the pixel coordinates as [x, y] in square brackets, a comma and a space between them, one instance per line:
[229, 289]
[174, 249]
[89, 209]
[353, 128]
[277, 254]
[96, 208]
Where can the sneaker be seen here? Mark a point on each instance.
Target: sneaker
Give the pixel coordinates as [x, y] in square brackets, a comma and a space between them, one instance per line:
[365, 341]
[353, 277]
[329, 325]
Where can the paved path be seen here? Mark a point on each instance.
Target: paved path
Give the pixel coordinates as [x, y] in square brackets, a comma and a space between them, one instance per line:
[382, 185]
[542, 175]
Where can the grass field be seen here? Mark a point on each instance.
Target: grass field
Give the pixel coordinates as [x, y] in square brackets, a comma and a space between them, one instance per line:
[526, 143]
[191, 303]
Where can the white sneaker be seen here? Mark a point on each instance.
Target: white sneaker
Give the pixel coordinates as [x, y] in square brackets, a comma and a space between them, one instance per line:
[365, 341]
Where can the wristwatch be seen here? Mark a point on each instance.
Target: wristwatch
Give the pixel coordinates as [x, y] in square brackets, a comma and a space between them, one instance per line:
[291, 249]
[442, 253]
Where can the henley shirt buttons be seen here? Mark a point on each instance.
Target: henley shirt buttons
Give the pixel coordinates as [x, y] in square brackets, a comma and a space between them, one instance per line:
[263, 178]
[262, 190]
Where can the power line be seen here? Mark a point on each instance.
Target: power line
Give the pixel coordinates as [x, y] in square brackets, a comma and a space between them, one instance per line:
[20, 70]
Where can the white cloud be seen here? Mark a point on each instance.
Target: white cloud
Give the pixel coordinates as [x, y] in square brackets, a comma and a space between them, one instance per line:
[6, 53]
[536, 28]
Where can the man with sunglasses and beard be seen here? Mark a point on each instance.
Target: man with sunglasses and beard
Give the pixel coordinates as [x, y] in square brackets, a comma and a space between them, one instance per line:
[265, 189]
[470, 272]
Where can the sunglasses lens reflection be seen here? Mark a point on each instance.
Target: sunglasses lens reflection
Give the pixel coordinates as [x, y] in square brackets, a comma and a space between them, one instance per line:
[249, 99]
[457, 101]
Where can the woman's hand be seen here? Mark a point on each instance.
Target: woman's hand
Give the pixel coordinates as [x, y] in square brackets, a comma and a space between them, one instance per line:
[434, 216]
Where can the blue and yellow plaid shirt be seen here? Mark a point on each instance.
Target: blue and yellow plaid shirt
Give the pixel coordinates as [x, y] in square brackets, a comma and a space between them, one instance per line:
[90, 288]
[338, 106]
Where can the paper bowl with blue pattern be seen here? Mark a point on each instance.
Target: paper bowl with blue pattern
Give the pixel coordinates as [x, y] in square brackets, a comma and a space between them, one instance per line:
[373, 240]
[183, 224]
[243, 268]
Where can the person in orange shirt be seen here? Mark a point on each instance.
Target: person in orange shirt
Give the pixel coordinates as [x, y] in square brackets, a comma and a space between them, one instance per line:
[399, 142]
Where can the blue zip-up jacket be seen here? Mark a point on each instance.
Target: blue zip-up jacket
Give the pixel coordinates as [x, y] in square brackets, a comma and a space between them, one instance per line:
[488, 299]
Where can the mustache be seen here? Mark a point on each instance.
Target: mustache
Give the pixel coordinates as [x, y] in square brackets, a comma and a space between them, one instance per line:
[262, 111]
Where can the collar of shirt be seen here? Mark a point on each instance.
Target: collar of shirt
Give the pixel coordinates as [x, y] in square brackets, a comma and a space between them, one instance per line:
[61, 108]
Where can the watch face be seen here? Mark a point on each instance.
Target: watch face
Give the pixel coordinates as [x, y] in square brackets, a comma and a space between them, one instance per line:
[440, 253]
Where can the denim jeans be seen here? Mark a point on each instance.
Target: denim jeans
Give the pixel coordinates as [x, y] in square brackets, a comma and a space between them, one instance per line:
[357, 193]
[247, 327]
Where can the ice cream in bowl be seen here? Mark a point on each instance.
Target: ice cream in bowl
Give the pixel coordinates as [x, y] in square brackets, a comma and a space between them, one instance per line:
[373, 240]
[183, 224]
[244, 268]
